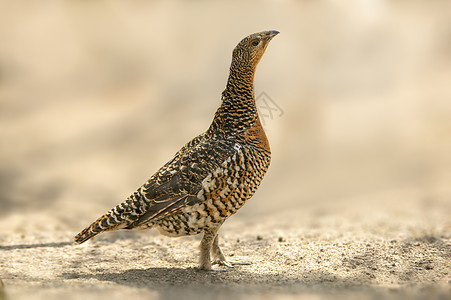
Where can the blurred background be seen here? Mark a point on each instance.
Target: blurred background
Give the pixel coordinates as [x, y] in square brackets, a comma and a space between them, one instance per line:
[95, 96]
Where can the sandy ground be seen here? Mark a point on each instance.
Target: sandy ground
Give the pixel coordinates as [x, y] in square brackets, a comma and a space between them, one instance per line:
[396, 248]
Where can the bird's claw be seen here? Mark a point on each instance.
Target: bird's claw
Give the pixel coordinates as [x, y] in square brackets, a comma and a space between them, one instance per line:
[223, 263]
[231, 263]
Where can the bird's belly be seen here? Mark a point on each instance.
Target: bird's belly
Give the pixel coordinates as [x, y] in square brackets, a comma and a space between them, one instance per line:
[192, 222]
[195, 219]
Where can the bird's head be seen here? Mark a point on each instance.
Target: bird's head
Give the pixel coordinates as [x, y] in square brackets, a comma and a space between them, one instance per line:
[249, 51]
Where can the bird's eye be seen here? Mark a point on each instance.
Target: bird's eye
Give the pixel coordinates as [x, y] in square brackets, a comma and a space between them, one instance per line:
[255, 43]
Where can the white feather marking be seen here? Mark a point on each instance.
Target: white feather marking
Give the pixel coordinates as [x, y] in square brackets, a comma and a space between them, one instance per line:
[200, 195]
[223, 194]
[235, 183]
[206, 182]
[218, 171]
[114, 217]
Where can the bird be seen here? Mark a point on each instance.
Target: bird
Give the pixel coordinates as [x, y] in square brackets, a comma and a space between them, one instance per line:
[211, 176]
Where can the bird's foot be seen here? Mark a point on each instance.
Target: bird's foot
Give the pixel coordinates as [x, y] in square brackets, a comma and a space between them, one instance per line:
[217, 264]
[230, 263]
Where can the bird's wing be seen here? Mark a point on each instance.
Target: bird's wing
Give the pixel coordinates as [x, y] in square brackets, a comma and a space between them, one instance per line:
[177, 183]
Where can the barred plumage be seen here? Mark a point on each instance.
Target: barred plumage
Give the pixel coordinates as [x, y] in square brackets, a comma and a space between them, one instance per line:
[213, 175]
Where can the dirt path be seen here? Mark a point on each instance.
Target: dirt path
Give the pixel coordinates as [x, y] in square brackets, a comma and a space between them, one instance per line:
[385, 250]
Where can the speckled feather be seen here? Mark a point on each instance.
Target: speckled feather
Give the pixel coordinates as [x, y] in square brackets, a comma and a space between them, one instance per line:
[214, 174]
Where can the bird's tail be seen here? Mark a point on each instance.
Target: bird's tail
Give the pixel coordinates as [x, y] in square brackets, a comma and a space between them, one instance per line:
[117, 218]
[104, 223]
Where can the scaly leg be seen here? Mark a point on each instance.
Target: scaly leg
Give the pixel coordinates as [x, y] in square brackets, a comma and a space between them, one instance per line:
[205, 248]
[219, 257]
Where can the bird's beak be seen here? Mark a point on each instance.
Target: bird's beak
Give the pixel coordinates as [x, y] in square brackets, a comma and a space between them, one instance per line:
[273, 33]
[269, 35]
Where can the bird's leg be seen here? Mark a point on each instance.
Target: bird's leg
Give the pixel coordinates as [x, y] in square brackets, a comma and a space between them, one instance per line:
[219, 257]
[205, 248]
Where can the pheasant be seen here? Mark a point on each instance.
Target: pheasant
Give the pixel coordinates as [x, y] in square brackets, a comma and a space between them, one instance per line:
[212, 176]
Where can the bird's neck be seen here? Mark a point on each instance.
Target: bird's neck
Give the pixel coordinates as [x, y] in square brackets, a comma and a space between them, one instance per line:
[237, 112]
[240, 82]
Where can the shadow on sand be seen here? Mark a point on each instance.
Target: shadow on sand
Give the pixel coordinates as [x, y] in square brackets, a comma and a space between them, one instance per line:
[175, 283]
